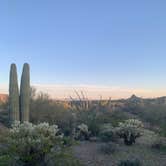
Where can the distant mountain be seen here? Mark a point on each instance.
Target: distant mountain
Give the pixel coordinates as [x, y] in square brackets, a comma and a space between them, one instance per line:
[136, 102]
[158, 100]
[3, 98]
[134, 98]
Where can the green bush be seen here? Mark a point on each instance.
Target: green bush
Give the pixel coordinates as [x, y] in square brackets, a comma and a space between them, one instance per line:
[162, 131]
[3, 134]
[90, 118]
[4, 118]
[129, 162]
[68, 141]
[6, 160]
[62, 159]
[107, 133]
[115, 117]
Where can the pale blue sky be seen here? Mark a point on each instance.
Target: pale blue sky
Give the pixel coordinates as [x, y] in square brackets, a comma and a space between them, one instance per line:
[99, 42]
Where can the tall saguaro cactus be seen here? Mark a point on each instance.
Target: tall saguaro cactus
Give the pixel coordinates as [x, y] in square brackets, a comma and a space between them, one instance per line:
[25, 93]
[13, 95]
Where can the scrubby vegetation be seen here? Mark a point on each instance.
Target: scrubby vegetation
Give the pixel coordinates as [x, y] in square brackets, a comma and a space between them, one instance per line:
[69, 133]
[132, 162]
[29, 144]
[102, 128]
[159, 144]
[96, 122]
[108, 148]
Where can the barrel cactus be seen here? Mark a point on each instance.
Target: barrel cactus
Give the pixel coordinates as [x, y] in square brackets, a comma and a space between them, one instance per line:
[13, 95]
[25, 93]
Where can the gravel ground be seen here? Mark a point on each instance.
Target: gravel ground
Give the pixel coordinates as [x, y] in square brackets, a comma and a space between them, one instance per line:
[89, 153]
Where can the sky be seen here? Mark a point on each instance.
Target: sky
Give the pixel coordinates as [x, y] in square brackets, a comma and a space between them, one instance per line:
[111, 47]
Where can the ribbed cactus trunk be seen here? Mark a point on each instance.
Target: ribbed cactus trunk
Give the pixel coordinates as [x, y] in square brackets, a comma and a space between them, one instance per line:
[13, 95]
[25, 93]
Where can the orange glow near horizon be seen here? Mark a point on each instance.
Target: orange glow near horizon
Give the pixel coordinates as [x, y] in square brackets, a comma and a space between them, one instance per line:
[92, 91]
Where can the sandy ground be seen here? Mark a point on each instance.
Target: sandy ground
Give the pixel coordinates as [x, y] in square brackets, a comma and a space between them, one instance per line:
[89, 153]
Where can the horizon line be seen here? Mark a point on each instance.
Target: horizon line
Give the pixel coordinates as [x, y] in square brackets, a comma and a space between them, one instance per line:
[91, 91]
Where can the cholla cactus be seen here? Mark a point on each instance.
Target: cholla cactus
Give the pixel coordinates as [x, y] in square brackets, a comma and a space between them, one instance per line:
[83, 127]
[25, 93]
[33, 142]
[130, 130]
[13, 95]
[131, 123]
[42, 129]
[82, 132]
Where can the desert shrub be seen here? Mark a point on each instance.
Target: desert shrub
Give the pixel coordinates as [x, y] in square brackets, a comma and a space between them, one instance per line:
[130, 162]
[96, 118]
[160, 144]
[107, 133]
[67, 116]
[81, 103]
[62, 159]
[90, 119]
[3, 133]
[43, 109]
[68, 141]
[108, 148]
[6, 160]
[30, 144]
[115, 117]
[152, 111]
[162, 130]
[4, 117]
[82, 132]
[130, 130]
[4, 105]
[94, 127]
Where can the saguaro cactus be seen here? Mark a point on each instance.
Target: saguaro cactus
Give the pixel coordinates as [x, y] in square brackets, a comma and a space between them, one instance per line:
[13, 95]
[25, 93]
